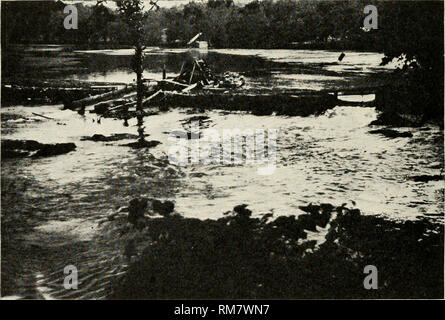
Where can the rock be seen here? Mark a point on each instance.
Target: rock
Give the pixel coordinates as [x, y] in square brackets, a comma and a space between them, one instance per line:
[142, 144]
[326, 207]
[354, 213]
[163, 208]
[389, 133]
[136, 210]
[94, 137]
[394, 120]
[427, 178]
[242, 210]
[25, 148]
[113, 137]
[29, 145]
[197, 174]
[54, 149]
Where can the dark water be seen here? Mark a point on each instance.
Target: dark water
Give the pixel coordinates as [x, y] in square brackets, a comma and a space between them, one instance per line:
[263, 69]
[52, 207]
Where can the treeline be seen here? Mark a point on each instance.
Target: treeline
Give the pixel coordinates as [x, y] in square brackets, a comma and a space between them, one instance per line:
[258, 24]
[412, 28]
[27, 22]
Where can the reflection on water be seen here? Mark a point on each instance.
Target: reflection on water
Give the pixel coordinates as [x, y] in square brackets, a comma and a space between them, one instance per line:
[330, 158]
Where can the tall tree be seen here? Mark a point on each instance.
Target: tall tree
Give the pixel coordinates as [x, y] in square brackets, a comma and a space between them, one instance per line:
[132, 13]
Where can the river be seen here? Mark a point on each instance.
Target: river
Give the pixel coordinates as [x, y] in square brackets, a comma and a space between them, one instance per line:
[329, 158]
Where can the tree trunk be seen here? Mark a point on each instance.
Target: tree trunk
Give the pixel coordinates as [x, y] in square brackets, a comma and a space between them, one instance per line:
[140, 92]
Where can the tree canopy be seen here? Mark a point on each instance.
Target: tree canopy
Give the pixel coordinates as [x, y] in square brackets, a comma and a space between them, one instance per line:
[258, 24]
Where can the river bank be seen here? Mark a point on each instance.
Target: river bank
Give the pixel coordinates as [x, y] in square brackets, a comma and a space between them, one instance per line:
[319, 254]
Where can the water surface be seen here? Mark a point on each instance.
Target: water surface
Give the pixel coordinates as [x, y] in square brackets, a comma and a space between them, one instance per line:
[330, 158]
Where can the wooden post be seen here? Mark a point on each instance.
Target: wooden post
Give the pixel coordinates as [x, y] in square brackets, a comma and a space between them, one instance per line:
[193, 71]
[182, 68]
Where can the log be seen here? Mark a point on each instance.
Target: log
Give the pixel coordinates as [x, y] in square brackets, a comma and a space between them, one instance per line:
[151, 97]
[102, 107]
[122, 106]
[130, 104]
[171, 85]
[81, 104]
[215, 89]
[41, 115]
[61, 83]
[193, 71]
[130, 95]
[258, 104]
[191, 87]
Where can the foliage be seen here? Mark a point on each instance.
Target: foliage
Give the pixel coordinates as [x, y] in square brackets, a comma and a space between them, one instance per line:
[243, 257]
[258, 24]
[413, 33]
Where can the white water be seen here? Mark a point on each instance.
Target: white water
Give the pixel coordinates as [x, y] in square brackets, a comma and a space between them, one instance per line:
[330, 158]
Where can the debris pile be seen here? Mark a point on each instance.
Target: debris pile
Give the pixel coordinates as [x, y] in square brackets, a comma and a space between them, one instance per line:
[198, 72]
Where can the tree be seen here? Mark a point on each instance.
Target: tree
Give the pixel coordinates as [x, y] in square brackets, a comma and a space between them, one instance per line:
[132, 13]
[99, 21]
[413, 33]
